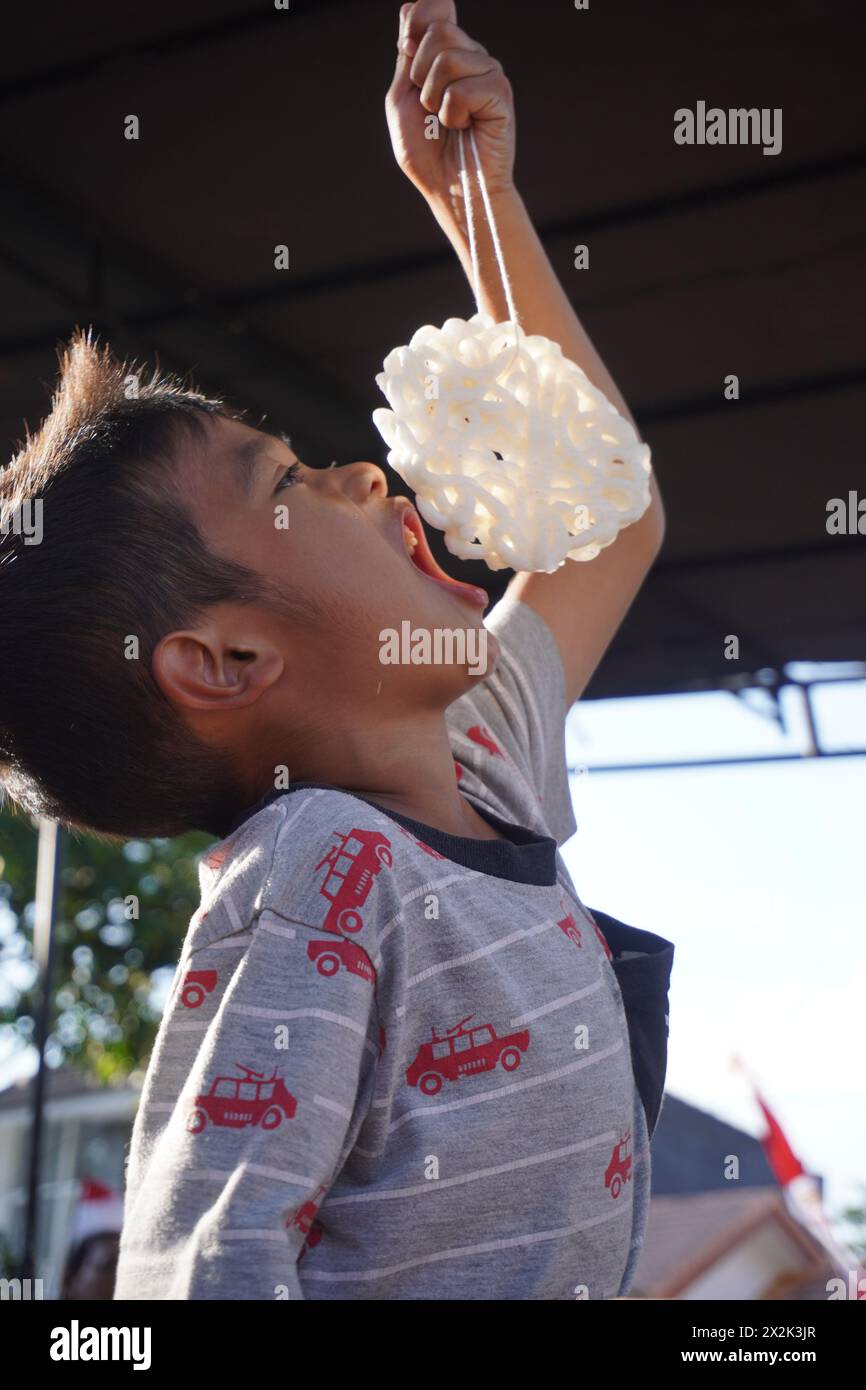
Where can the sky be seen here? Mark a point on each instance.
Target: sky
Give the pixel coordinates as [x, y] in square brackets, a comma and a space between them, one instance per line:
[758, 876]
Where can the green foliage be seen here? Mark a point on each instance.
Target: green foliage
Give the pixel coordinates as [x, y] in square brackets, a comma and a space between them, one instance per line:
[110, 969]
[855, 1219]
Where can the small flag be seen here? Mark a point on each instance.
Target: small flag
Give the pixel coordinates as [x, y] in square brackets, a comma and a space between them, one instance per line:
[802, 1194]
[781, 1157]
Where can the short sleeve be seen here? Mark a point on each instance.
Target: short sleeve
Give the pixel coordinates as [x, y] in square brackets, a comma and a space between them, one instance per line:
[521, 708]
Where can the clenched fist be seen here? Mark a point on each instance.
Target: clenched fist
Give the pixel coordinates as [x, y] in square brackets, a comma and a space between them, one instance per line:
[442, 73]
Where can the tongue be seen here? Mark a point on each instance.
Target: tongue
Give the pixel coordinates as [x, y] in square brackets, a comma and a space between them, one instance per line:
[433, 569]
[442, 578]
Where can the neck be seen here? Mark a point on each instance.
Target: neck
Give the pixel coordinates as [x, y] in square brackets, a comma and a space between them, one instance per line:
[408, 769]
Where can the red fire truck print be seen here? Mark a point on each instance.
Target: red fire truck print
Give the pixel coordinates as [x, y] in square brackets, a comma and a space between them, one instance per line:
[571, 929]
[352, 865]
[196, 985]
[330, 955]
[464, 1051]
[479, 733]
[619, 1168]
[421, 845]
[235, 1102]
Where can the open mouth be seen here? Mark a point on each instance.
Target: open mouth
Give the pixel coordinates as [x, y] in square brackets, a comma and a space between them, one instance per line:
[421, 556]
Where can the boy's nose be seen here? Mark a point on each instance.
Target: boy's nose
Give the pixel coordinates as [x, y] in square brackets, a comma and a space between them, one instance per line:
[361, 480]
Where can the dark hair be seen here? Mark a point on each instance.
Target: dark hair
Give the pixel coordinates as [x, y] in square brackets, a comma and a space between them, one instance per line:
[86, 735]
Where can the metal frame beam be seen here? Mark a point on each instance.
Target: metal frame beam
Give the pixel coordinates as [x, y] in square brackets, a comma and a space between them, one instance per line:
[735, 685]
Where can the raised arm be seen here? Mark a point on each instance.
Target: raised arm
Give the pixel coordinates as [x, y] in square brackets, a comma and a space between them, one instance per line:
[441, 71]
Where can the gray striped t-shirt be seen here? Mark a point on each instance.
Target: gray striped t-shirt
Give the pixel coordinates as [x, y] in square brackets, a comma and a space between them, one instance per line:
[395, 1063]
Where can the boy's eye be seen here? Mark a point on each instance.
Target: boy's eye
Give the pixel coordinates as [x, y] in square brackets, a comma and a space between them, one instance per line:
[290, 476]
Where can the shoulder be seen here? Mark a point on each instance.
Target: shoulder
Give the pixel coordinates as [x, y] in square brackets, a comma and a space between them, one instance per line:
[337, 864]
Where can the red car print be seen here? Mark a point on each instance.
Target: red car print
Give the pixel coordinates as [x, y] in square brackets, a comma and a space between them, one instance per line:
[196, 985]
[216, 856]
[619, 1168]
[352, 865]
[458, 770]
[235, 1102]
[306, 1213]
[571, 929]
[421, 845]
[463, 1052]
[479, 733]
[330, 955]
[304, 1218]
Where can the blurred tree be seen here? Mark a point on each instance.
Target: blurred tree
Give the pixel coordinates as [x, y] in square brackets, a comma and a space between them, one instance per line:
[855, 1220]
[8, 1263]
[121, 920]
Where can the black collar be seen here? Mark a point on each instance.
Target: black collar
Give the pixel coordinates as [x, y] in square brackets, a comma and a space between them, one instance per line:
[523, 856]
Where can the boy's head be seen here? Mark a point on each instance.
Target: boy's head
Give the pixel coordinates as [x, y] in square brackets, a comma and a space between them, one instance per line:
[200, 608]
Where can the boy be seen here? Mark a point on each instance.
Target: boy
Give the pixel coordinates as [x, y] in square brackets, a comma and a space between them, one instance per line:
[399, 1060]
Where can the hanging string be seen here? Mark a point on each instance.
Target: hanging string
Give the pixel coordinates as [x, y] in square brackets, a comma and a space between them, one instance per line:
[470, 220]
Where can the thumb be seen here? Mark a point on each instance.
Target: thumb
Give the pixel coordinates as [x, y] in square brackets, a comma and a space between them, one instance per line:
[401, 83]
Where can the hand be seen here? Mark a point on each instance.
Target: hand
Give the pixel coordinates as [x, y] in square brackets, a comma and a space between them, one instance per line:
[442, 72]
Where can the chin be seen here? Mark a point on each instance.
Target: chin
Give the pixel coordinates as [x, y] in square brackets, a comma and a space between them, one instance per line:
[446, 638]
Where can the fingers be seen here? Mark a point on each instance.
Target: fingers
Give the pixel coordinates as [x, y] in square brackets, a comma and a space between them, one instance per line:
[447, 56]
[438, 38]
[456, 76]
[433, 52]
[417, 18]
[406, 48]
[485, 96]
[456, 79]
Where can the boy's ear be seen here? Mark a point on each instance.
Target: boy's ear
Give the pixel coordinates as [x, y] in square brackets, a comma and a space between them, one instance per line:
[199, 669]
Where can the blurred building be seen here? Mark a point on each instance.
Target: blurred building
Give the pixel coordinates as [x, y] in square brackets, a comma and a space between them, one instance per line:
[716, 1237]
[85, 1139]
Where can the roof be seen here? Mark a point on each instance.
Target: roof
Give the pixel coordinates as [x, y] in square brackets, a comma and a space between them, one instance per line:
[690, 1149]
[686, 1235]
[697, 1213]
[66, 1085]
[703, 261]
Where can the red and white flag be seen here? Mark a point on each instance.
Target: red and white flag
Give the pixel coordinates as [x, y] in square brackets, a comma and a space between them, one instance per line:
[801, 1193]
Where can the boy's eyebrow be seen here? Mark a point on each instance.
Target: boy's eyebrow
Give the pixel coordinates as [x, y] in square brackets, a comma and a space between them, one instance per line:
[247, 457]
